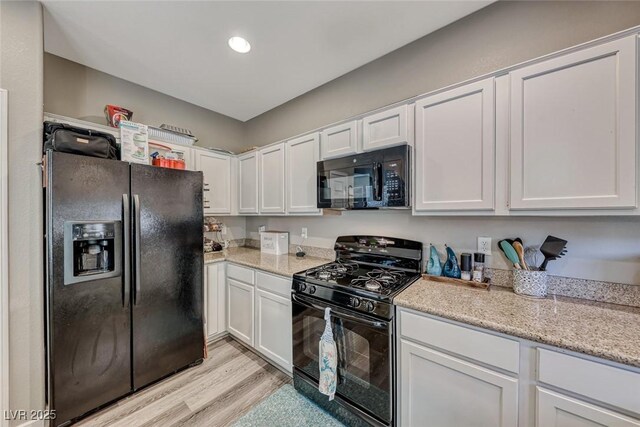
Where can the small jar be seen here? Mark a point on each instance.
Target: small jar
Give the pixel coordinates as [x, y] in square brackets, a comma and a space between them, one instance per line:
[478, 267]
[465, 266]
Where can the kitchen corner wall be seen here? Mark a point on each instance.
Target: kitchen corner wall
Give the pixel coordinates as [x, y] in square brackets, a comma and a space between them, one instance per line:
[21, 44]
[606, 249]
[73, 90]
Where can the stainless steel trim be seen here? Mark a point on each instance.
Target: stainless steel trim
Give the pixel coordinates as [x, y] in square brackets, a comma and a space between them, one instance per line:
[126, 253]
[136, 228]
[379, 324]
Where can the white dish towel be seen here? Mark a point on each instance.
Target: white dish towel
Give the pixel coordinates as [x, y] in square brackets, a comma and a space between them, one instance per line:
[328, 359]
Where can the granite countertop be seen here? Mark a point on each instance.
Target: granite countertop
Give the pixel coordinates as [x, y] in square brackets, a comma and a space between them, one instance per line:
[603, 330]
[283, 265]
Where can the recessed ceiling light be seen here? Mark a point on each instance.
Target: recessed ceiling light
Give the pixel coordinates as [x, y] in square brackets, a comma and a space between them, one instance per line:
[239, 44]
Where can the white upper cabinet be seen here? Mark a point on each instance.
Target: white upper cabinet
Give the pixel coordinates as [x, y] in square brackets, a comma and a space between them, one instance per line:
[454, 146]
[272, 177]
[216, 170]
[301, 168]
[386, 129]
[340, 140]
[573, 130]
[248, 183]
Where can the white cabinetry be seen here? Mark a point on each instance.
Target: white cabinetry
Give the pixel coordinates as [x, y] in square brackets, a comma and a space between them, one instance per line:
[240, 303]
[386, 128]
[556, 410]
[573, 130]
[340, 140]
[217, 176]
[451, 375]
[441, 390]
[273, 319]
[272, 179]
[215, 296]
[301, 174]
[441, 387]
[259, 312]
[455, 146]
[248, 183]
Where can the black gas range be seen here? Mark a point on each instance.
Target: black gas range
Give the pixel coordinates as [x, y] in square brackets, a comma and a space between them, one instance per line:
[359, 287]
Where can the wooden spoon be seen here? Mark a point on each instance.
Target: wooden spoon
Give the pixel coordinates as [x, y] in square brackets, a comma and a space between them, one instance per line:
[520, 251]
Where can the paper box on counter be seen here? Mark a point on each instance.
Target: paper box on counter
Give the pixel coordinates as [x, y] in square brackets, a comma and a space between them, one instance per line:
[134, 140]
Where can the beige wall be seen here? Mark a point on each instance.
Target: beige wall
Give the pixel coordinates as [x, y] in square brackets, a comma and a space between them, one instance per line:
[497, 36]
[73, 90]
[21, 47]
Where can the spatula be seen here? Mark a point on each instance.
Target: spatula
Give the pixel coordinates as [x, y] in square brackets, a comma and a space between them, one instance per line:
[552, 248]
[510, 253]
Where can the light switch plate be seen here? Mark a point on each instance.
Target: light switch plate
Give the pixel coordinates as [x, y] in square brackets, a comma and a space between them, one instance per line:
[304, 234]
[261, 229]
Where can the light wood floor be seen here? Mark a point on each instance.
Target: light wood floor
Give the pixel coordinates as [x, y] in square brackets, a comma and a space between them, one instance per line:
[216, 393]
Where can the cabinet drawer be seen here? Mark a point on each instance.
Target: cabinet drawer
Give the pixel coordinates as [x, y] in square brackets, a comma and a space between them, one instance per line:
[242, 274]
[274, 284]
[486, 348]
[604, 383]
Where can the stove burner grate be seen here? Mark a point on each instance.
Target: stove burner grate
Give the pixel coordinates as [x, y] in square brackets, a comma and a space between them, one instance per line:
[334, 270]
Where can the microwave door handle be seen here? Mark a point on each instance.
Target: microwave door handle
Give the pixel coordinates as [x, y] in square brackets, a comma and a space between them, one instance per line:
[339, 313]
[377, 181]
[126, 252]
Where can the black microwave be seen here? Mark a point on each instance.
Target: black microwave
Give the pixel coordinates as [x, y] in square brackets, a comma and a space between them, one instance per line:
[374, 180]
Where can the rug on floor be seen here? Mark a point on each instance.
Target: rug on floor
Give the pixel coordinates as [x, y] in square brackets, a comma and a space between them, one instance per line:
[287, 408]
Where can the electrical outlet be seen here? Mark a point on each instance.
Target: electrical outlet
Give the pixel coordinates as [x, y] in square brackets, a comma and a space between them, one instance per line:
[223, 231]
[261, 229]
[304, 234]
[484, 245]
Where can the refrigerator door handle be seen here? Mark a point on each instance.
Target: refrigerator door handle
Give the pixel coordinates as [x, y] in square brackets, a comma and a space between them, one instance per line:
[126, 232]
[136, 249]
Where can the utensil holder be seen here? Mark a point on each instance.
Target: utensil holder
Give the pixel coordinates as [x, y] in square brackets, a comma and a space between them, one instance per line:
[530, 283]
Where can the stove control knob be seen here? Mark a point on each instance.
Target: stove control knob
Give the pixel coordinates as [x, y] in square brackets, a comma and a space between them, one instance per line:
[355, 302]
[302, 287]
[369, 305]
[312, 289]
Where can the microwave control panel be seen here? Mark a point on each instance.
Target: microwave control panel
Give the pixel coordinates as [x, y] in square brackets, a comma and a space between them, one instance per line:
[394, 184]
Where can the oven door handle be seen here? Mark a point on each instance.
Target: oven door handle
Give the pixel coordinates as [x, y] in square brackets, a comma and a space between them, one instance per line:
[378, 324]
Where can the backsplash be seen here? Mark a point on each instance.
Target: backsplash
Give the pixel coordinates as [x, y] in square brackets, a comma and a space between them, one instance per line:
[313, 251]
[595, 290]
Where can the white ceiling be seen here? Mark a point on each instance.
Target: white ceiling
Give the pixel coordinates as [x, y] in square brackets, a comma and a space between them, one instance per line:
[180, 48]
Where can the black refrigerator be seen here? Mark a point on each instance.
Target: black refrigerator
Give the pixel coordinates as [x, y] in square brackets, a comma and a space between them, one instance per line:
[124, 278]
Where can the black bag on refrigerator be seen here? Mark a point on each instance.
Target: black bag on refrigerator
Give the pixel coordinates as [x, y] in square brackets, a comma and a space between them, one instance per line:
[85, 142]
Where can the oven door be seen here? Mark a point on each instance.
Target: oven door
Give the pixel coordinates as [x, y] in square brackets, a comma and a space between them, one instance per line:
[364, 353]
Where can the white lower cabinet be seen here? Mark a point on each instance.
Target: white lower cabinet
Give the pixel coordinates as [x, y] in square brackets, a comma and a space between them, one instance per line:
[259, 312]
[273, 327]
[453, 375]
[240, 297]
[440, 390]
[556, 410]
[215, 296]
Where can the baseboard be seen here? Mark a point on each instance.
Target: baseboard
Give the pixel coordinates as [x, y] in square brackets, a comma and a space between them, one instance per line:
[217, 337]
